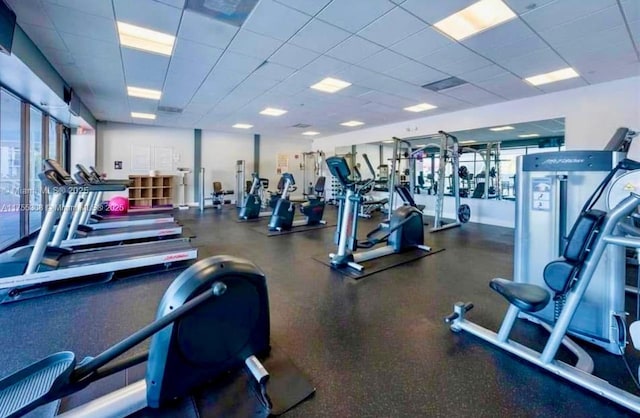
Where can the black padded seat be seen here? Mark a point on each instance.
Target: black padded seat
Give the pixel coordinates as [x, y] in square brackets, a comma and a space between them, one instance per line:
[526, 297]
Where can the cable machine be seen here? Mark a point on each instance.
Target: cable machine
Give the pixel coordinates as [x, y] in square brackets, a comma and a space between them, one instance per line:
[312, 168]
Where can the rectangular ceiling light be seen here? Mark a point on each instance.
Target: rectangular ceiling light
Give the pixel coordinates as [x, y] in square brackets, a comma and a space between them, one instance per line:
[528, 135]
[420, 107]
[352, 123]
[389, 141]
[501, 128]
[553, 76]
[144, 93]
[476, 18]
[311, 133]
[272, 111]
[242, 126]
[139, 115]
[144, 39]
[471, 141]
[331, 85]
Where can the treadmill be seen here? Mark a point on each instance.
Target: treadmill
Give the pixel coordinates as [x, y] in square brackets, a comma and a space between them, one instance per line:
[89, 213]
[79, 235]
[40, 269]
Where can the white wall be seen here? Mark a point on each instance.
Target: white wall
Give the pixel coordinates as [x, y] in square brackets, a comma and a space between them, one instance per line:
[293, 148]
[117, 140]
[83, 149]
[220, 151]
[591, 113]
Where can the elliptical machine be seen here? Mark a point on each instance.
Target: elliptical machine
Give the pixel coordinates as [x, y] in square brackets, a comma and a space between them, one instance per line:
[284, 211]
[253, 202]
[213, 318]
[405, 230]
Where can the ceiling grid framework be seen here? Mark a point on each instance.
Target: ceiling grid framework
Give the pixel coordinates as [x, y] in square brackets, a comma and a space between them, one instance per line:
[220, 74]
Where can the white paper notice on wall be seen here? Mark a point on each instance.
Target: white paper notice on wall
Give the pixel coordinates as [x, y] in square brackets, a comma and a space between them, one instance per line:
[140, 158]
[283, 163]
[163, 159]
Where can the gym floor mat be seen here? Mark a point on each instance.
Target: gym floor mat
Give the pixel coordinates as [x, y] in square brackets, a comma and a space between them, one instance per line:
[379, 264]
[243, 221]
[265, 231]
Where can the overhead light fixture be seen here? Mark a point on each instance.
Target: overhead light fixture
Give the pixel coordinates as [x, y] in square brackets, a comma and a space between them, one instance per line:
[272, 111]
[331, 85]
[420, 107]
[144, 39]
[242, 126]
[144, 93]
[471, 141]
[311, 133]
[501, 128]
[476, 18]
[139, 115]
[419, 145]
[352, 123]
[528, 135]
[390, 141]
[552, 77]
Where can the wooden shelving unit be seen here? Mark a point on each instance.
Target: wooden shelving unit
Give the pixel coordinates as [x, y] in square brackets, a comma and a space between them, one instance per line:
[151, 193]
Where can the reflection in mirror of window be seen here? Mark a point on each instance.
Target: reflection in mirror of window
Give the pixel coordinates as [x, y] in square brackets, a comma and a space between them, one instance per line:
[10, 168]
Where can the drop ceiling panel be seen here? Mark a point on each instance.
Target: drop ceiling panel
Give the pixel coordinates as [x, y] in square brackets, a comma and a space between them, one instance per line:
[297, 82]
[325, 66]
[433, 11]
[143, 105]
[253, 44]
[512, 50]
[631, 9]
[144, 70]
[416, 73]
[30, 12]
[605, 72]
[454, 59]
[310, 7]
[421, 43]
[383, 61]
[275, 20]
[84, 48]
[510, 32]
[149, 14]
[179, 89]
[354, 49]
[538, 62]
[599, 41]
[562, 85]
[96, 7]
[561, 12]
[590, 24]
[353, 15]
[380, 108]
[75, 22]
[274, 71]
[392, 27]
[179, 4]
[58, 57]
[293, 56]
[526, 6]
[509, 86]
[319, 36]
[482, 74]
[44, 37]
[386, 99]
[239, 63]
[199, 28]
[472, 94]
[199, 54]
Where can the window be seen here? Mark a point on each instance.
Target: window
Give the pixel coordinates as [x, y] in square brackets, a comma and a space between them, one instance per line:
[53, 139]
[10, 169]
[35, 166]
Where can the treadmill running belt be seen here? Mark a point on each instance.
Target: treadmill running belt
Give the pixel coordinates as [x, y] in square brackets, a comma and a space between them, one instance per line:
[126, 229]
[124, 252]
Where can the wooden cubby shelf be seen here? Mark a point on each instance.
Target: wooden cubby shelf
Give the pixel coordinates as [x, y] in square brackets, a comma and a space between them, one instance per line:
[151, 193]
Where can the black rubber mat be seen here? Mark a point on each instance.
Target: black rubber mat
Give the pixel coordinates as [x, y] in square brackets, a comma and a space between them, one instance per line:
[379, 264]
[265, 231]
[244, 221]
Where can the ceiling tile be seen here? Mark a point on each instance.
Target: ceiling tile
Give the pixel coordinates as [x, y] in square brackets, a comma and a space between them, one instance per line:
[602, 20]
[199, 28]
[293, 56]
[379, 108]
[274, 71]
[386, 99]
[392, 27]
[254, 45]
[297, 82]
[512, 50]
[563, 85]
[508, 33]
[354, 49]
[44, 38]
[100, 7]
[454, 59]
[416, 73]
[30, 12]
[174, 3]
[144, 70]
[433, 11]
[275, 20]
[178, 88]
[319, 36]
[242, 64]
[58, 57]
[482, 74]
[526, 6]
[383, 61]
[142, 105]
[422, 43]
[472, 94]
[593, 42]
[631, 9]
[538, 62]
[76, 23]
[204, 55]
[353, 15]
[560, 12]
[509, 86]
[149, 14]
[310, 7]
[605, 72]
[325, 66]
[84, 48]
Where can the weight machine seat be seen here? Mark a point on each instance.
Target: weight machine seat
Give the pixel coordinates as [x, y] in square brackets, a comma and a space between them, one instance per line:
[526, 297]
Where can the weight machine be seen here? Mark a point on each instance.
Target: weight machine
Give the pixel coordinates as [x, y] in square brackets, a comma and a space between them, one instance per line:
[312, 168]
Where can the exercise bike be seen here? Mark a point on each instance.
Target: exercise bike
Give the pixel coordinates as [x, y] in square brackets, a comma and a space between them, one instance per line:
[404, 232]
[285, 209]
[212, 319]
[253, 202]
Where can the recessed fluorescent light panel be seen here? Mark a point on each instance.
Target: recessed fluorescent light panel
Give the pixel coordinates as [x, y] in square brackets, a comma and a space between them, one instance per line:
[242, 126]
[352, 123]
[390, 141]
[139, 115]
[471, 141]
[476, 18]
[501, 128]
[553, 76]
[144, 93]
[137, 37]
[528, 135]
[330, 85]
[311, 133]
[272, 111]
[420, 107]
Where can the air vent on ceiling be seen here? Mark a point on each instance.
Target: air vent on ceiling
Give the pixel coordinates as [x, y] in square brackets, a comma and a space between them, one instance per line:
[447, 83]
[301, 125]
[169, 109]
[234, 12]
